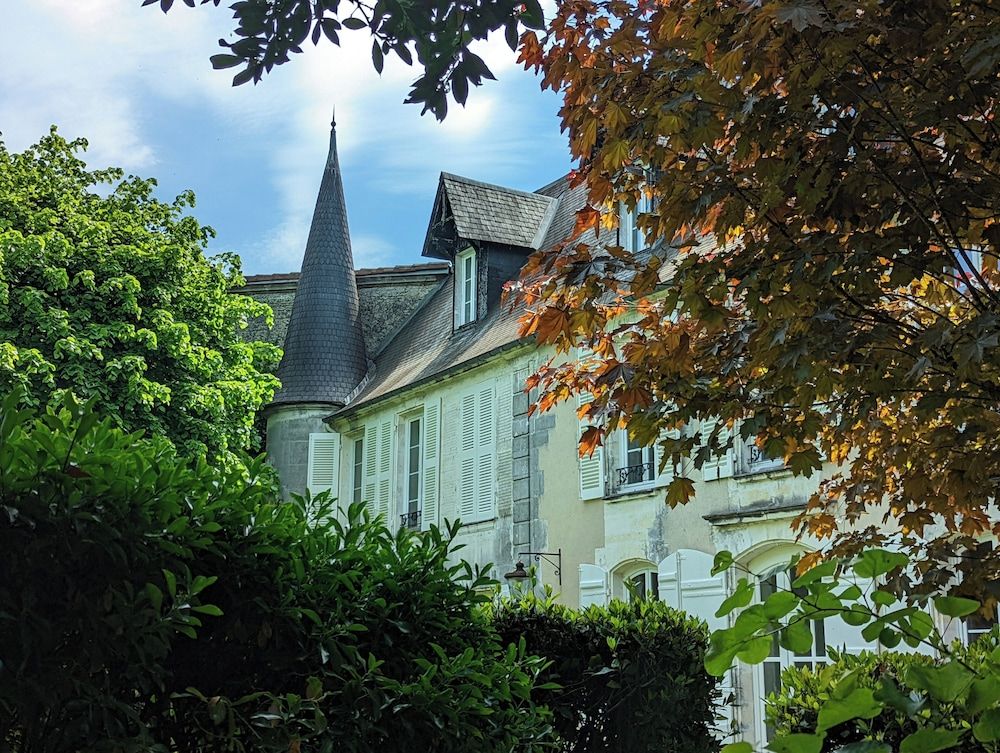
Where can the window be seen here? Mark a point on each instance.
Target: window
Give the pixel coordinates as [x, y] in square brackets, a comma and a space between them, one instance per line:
[644, 585]
[630, 235]
[410, 516]
[465, 287]
[975, 626]
[358, 470]
[753, 459]
[769, 671]
[477, 455]
[636, 464]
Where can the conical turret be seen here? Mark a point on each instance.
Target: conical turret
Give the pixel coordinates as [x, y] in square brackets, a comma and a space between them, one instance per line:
[324, 357]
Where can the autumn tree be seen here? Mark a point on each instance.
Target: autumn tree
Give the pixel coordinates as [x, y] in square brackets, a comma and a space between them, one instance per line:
[106, 291]
[438, 34]
[822, 271]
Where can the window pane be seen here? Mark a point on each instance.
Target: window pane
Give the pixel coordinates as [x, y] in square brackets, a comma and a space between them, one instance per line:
[359, 455]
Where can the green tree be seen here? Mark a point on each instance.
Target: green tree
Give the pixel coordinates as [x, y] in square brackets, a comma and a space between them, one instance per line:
[154, 602]
[438, 33]
[106, 291]
[818, 182]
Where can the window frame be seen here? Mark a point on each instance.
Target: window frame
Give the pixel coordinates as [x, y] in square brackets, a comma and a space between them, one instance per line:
[357, 468]
[466, 308]
[410, 504]
[781, 658]
[628, 228]
[621, 459]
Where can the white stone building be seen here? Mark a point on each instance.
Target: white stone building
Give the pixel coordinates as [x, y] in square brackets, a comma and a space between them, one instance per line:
[403, 388]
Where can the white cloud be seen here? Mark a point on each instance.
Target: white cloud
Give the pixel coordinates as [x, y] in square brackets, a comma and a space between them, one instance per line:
[105, 68]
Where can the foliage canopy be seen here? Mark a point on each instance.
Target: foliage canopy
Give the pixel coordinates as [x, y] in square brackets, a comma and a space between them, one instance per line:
[106, 291]
[154, 602]
[824, 241]
[438, 33]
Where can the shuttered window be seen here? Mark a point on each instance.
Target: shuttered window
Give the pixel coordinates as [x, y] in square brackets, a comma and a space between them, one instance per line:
[323, 463]
[431, 464]
[477, 455]
[591, 467]
[378, 467]
[718, 465]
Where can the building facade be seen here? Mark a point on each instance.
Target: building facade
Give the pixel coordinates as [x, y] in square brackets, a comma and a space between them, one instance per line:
[403, 388]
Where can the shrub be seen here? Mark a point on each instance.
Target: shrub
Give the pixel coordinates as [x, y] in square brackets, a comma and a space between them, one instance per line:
[149, 602]
[903, 675]
[630, 676]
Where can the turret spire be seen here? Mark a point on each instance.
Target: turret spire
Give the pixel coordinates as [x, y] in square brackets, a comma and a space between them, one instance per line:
[324, 357]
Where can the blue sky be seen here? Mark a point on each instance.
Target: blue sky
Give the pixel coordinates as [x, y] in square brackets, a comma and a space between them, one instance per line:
[138, 84]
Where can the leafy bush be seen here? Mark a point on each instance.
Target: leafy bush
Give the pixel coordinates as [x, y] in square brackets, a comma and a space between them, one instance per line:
[630, 676]
[153, 603]
[865, 704]
[915, 700]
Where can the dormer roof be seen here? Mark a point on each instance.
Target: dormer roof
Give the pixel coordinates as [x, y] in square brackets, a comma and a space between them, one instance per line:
[324, 352]
[471, 210]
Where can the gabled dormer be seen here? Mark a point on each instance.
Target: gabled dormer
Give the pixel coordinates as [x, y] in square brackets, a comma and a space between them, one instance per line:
[486, 232]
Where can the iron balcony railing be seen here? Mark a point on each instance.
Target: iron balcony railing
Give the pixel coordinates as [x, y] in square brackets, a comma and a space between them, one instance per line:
[632, 475]
[410, 519]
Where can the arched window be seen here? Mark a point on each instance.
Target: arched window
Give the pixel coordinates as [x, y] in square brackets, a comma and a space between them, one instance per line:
[637, 580]
[771, 566]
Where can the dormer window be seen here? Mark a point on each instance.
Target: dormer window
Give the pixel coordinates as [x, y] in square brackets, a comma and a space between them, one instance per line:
[465, 287]
[630, 235]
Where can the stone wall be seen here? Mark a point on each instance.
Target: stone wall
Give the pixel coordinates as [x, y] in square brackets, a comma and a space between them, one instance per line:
[387, 296]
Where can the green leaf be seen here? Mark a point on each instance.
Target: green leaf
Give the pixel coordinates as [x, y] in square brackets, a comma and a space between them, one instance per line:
[823, 570]
[722, 562]
[779, 604]
[930, 740]
[796, 636]
[955, 606]
[797, 743]
[755, 650]
[859, 704]
[209, 609]
[741, 596]
[984, 693]
[946, 683]
[987, 729]
[353, 23]
[888, 692]
[877, 562]
[155, 596]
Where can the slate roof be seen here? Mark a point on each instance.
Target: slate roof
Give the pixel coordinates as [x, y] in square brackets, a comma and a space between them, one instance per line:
[324, 353]
[486, 212]
[434, 266]
[427, 346]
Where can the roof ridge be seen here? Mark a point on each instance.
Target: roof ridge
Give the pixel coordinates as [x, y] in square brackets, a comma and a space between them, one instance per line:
[497, 186]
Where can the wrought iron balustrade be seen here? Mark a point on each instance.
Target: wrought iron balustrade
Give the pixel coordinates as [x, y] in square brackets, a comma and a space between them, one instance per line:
[755, 460]
[631, 475]
[410, 519]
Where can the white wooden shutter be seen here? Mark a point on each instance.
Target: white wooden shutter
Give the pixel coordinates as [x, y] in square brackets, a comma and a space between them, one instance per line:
[431, 463]
[686, 583]
[323, 463]
[717, 466]
[592, 467]
[467, 459]
[665, 476]
[486, 452]
[593, 586]
[371, 468]
[384, 493]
